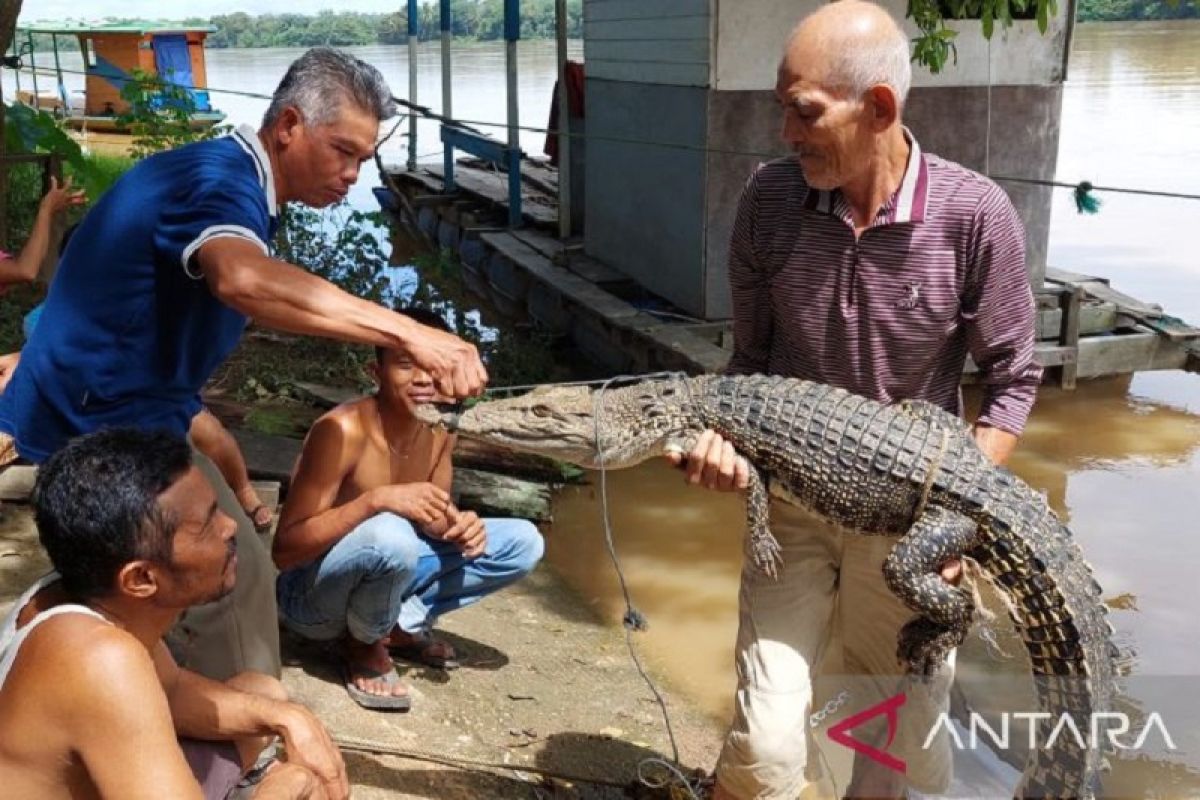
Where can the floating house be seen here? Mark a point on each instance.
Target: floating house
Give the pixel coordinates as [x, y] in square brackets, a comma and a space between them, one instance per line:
[111, 54]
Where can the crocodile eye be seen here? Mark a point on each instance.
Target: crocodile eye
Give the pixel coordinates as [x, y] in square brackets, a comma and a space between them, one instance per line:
[542, 411]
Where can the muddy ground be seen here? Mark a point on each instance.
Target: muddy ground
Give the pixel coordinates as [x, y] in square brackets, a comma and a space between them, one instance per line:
[544, 684]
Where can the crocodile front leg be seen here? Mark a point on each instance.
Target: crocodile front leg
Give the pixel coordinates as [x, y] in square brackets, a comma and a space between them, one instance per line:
[912, 574]
[762, 546]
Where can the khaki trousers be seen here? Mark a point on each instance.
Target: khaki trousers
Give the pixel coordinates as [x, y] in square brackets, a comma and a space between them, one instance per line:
[828, 617]
[240, 631]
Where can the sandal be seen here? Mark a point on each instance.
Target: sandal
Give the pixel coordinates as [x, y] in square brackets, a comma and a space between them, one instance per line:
[261, 525]
[374, 702]
[423, 649]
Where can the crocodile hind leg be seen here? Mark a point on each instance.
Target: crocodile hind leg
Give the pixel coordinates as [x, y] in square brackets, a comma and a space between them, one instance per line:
[762, 547]
[912, 573]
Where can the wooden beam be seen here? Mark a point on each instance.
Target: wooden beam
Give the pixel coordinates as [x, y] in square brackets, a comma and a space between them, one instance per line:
[1069, 338]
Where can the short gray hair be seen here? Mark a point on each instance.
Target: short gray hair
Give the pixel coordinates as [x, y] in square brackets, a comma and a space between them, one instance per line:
[318, 82]
[861, 65]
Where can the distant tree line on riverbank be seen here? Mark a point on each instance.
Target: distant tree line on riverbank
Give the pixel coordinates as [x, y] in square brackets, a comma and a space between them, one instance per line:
[481, 20]
[1114, 10]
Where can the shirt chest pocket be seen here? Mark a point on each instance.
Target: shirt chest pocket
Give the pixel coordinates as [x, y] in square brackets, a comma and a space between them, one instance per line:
[920, 303]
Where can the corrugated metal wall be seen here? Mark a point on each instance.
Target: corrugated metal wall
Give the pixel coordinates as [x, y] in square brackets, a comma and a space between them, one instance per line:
[648, 41]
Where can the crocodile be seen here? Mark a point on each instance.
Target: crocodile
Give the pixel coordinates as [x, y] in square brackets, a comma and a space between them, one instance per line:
[909, 470]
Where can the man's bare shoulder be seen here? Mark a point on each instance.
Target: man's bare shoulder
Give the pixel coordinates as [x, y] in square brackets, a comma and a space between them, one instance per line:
[77, 662]
[346, 426]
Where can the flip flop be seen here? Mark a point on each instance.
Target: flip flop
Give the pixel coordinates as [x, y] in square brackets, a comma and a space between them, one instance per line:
[375, 702]
[420, 652]
[260, 527]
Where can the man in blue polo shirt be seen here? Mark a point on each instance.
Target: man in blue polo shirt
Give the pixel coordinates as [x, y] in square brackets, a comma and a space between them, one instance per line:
[155, 288]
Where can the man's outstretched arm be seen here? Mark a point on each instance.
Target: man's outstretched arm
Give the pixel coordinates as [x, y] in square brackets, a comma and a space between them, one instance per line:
[280, 295]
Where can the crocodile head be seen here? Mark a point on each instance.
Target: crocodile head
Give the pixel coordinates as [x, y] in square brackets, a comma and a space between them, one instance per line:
[633, 423]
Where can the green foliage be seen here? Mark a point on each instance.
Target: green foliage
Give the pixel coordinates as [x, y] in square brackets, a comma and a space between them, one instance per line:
[339, 245]
[514, 356]
[28, 131]
[1114, 10]
[280, 419]
[484, 20]
[14, 305]
[934, 48]
[24, 193]
[101, 173]
[160, 114]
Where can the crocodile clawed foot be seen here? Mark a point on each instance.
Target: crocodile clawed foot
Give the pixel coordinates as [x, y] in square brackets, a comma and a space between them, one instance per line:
[925, 645]
[767, 555]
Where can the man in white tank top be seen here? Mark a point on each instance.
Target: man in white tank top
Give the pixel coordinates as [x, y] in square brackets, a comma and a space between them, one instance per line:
[91, 702]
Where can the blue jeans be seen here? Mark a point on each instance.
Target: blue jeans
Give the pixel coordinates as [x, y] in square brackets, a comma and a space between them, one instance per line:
[384, 573]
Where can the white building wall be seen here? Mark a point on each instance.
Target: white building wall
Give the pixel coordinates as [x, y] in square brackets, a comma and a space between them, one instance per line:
[667, 42]
[750, 35]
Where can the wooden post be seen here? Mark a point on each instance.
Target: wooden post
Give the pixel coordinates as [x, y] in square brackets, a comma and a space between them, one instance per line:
[564, 122]
[447, 95]
[37, 100]
[1070, 301]
[3, 175]
[9, 11]
[412, 83]
[52, 167]
[512, 32]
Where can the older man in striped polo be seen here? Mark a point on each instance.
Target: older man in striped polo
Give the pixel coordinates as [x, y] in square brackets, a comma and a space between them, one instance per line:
[863, 262]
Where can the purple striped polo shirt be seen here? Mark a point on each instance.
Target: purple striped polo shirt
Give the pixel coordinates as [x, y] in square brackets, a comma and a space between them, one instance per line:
[893, 314]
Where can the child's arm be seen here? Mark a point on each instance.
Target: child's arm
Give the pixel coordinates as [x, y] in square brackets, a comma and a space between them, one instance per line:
[25, 266]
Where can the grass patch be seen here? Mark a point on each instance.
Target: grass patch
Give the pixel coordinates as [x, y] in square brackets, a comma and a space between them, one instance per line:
[281, 419]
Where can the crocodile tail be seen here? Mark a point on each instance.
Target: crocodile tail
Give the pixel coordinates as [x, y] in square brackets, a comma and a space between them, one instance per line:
[1056, 606]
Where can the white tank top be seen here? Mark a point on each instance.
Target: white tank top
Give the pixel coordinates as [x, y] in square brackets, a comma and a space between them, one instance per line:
[11, 639]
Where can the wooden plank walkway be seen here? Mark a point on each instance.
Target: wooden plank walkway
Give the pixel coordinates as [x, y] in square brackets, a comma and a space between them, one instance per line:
[492, 186]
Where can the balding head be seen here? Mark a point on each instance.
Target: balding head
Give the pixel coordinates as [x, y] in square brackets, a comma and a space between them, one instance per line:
[850, 46]
[841, 84]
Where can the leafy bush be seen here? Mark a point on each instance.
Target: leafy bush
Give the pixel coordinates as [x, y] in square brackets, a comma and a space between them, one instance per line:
[160, 114]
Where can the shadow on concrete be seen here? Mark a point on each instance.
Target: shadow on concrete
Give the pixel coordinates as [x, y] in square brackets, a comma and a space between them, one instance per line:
[575, 758]
[323, 661]
[597, 757]
[413, 779]
[558, 599]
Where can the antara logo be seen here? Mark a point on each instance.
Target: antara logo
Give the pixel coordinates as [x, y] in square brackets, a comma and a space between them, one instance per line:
[891, 707]
[1099, 730]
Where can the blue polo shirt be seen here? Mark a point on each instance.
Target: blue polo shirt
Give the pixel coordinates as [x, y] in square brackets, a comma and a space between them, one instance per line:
[130, 331]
